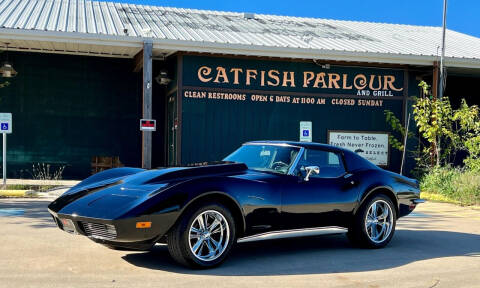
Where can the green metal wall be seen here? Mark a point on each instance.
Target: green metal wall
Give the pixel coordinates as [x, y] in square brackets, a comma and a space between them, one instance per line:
[67, 109]
[211, 129]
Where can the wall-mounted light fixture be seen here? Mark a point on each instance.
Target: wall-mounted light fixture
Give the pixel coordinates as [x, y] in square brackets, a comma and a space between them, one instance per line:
[6, 70]
[162, 77]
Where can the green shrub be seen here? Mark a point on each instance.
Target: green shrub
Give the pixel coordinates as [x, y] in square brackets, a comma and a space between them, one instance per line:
[472, 164]
[43, 171]
[457, 184]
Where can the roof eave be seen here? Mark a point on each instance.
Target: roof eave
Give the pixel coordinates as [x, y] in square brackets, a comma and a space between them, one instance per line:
[71, 37]
[318, 54]
[125, 41]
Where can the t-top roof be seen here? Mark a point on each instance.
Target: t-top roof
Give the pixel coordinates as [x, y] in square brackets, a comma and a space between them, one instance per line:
[250, 33]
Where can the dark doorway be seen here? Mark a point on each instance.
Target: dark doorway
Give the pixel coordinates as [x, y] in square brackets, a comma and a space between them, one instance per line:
[463, 86]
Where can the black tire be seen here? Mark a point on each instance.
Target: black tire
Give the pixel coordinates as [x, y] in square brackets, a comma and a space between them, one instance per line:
[357, 232]
[178, 240]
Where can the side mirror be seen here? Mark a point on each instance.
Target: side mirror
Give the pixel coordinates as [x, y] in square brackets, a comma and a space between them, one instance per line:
[310, 170]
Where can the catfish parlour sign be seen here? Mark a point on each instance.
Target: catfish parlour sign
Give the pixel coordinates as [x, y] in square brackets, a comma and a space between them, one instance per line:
[345, 82]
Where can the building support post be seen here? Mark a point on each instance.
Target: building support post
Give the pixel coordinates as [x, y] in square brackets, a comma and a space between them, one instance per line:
[147, 103]
[435, 80]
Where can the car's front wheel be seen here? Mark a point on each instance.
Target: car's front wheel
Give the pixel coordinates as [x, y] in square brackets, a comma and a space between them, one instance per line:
[203, 237]
[374, 223]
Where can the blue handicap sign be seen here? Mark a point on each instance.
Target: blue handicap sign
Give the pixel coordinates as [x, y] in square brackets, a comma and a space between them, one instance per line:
[4, 126]
[305, 133]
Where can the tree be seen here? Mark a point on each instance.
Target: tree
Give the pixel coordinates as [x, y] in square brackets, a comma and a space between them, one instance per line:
[447, 130]
[434, 119]
[468, 120]
[396, 126]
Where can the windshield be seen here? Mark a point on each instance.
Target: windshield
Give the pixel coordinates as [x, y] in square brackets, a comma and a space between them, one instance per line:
[270, 158]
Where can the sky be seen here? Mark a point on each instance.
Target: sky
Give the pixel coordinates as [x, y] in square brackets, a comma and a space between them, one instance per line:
[462, 16]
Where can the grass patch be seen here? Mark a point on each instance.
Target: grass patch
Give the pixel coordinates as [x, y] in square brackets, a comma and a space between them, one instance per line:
[452, 185]
[39, 188]
[438, 197]
[18, 193]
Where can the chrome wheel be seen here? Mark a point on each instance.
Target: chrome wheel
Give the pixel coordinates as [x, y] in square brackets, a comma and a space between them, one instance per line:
[209, 234]
[379, 221]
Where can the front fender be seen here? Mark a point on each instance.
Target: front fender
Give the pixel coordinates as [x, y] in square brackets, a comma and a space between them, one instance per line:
[176, 199]
[219, 195]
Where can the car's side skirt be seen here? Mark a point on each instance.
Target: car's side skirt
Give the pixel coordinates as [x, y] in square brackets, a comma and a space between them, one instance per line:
[294, 233]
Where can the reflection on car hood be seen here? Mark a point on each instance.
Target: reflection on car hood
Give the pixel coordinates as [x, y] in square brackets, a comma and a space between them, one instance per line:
[107, 198]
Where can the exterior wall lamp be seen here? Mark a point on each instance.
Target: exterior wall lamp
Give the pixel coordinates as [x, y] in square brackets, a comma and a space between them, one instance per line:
[7, 70]
[162, 77]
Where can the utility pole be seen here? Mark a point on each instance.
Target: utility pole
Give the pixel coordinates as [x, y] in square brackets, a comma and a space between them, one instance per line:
[442, 71]
[442, 63]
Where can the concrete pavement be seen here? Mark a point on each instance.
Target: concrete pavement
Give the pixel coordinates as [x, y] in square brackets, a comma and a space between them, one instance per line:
[438, 246]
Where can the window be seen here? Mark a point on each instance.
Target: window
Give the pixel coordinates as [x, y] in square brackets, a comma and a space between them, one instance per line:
[330, 163]
[269, 158]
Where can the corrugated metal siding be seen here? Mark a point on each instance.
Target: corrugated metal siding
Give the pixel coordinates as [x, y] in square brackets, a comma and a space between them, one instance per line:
[232, 28]
[69, 122]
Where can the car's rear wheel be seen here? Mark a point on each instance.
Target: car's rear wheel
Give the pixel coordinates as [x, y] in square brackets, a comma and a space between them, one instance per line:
[374, 223]
[203, 237]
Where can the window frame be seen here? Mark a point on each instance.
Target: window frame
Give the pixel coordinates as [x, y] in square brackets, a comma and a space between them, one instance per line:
[303, 150]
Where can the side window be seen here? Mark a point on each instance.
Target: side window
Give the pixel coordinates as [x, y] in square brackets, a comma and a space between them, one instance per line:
[330, 163]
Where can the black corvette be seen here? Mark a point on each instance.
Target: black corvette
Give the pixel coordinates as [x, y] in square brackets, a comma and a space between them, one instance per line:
[262, 190]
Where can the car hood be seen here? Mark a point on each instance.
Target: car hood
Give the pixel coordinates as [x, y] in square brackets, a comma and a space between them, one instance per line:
[110, 197]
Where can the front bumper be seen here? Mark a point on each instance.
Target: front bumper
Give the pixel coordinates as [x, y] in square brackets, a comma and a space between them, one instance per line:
[117, 232]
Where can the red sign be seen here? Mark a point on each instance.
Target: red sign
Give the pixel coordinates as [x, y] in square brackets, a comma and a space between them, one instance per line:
[148, 125]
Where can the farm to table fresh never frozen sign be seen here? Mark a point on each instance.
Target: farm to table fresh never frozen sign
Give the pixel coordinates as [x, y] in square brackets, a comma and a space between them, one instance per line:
[373, 146]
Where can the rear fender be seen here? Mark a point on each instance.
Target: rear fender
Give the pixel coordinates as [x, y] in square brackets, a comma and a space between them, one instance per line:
[380, 189]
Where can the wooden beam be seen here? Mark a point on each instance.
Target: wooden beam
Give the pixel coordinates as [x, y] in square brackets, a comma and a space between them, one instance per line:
[435, 76]
[147, 103]
[138, 61]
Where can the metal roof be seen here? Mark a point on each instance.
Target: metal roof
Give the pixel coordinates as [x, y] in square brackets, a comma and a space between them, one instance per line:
[116, 29]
